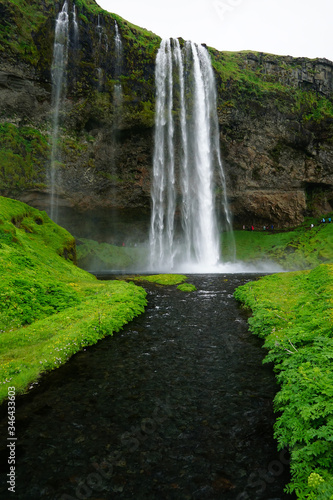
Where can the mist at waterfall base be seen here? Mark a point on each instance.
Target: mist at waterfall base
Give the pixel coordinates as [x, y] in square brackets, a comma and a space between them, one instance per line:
[128, 230]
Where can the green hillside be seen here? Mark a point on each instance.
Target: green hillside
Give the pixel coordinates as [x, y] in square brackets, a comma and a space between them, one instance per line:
[293, 313]
[50, 308]
[301, 248]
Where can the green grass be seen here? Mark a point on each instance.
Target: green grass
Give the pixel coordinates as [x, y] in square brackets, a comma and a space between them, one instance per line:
[103, 256]
[293, 313]
[163, 279]
[50, 308]
[186, 287]
[301, 248]
[22, 18]
[169, 279]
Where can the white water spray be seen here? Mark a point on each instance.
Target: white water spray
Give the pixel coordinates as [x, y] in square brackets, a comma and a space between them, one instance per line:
[118, 49]
[58, 72]
[187, 166]
[118, 91]
[99, 29]
[76, 27]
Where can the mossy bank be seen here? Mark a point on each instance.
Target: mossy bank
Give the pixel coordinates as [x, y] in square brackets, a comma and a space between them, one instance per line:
[303, 247]
[49, 308]
[293, 313]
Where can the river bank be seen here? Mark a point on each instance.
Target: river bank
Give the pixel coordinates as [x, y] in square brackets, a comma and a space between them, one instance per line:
[293, 313]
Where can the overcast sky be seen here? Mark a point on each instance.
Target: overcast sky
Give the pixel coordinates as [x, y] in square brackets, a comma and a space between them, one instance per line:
[284, 27]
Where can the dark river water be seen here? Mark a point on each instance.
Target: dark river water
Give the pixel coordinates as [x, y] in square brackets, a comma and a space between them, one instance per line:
[175, 406]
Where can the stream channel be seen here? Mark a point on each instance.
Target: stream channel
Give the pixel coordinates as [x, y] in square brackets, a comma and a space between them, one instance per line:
[175, 406]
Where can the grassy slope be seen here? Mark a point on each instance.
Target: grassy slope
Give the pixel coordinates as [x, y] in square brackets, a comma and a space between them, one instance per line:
[302, 248]
[293, 312]
[103, 256]
[49, 308]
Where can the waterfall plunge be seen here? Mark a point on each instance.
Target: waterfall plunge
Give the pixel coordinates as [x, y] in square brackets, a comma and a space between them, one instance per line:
[58, 72]
[187, 166]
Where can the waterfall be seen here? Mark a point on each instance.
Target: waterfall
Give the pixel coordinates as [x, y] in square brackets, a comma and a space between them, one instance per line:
[187, 165]
[99, 29]
[76, 27]
[118, 50]
[118, 91]
[58, 73]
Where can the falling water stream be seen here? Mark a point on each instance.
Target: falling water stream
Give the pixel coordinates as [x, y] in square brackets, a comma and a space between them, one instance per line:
[175, 406]
[75, 27]
[118, 91]
[187, 166]
[58, 73]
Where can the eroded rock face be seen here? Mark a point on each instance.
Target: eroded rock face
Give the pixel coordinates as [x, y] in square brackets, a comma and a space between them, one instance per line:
[263, 208]
[278, 160]
[278, 169]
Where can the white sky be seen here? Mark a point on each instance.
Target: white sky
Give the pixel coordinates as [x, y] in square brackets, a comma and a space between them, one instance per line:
[285, 27]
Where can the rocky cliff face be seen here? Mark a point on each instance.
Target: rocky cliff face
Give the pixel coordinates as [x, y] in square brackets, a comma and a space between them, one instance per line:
[277, 140]
[275, 113]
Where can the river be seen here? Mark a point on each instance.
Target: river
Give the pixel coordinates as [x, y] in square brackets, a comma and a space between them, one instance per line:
[175, 406]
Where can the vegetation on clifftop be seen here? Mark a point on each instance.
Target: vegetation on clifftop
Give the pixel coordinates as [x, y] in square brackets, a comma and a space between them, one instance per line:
[293, 313]
[240, 83]
[49, 308]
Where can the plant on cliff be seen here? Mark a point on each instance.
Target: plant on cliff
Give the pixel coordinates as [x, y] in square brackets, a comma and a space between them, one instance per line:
[49, 308]
[19, 19]
[293, 312]
[24, 152]
[241, 84]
